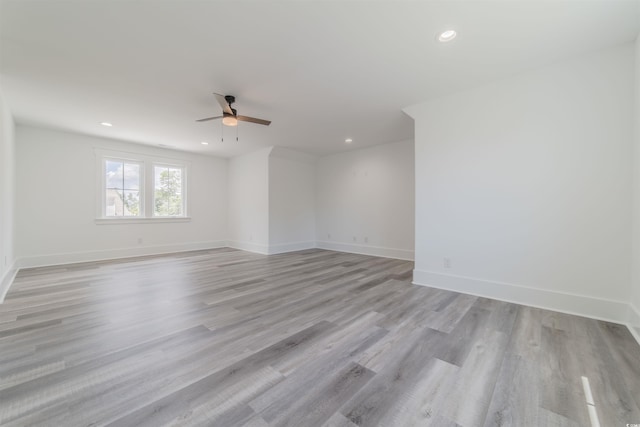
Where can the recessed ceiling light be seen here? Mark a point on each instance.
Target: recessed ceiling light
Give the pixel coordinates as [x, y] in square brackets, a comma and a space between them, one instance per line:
[447, 36]
[204, 143]
[106, 124]
[348, 140]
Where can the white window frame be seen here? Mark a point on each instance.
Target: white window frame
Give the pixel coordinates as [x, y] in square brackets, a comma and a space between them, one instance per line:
[147, 186]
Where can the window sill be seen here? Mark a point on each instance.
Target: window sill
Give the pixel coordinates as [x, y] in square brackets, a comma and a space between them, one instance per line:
[114, 221]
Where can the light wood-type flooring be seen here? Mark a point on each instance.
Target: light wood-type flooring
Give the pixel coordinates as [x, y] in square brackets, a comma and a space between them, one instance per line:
[311, 338]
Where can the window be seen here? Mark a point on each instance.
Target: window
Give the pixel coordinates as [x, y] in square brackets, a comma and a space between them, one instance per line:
[138, 187]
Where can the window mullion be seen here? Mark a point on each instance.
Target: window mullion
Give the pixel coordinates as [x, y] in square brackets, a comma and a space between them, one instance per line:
[124, 201]
[148, 186]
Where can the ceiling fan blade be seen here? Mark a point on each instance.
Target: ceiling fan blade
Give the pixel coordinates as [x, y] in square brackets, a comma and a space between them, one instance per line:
[209, 118]
[253, 120]
[223, 103]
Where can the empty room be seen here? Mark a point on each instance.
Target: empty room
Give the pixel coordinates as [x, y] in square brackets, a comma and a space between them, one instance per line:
[320, 213]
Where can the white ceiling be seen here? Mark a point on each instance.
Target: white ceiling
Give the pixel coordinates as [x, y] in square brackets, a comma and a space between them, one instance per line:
[322, 71]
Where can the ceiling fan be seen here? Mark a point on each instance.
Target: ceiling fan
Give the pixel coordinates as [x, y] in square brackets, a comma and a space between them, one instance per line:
[230, 115]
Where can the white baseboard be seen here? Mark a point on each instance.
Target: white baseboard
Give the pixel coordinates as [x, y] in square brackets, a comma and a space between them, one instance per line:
[106, 254]
[367, 250]
[7, 280]
[581, 305]
[259, 248]
[634, 322]
[281, 248]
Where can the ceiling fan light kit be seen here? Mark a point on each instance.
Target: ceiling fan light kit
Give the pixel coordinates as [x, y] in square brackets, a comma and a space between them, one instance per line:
[229, 120]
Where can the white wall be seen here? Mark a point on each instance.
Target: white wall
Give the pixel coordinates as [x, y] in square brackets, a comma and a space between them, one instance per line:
[56, 201]
[249, 201]
[7, 197]
[635, 301]
[365, 201]
[291, 200]
[525, 186]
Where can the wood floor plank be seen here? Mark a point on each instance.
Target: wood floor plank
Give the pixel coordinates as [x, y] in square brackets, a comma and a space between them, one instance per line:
[338, 420]
[515, 397]
[551, 419]
[447, 317]
[475, 381]
[560, 385]
[320, 403]
[624, 355]
[462, 338]
[612, 398]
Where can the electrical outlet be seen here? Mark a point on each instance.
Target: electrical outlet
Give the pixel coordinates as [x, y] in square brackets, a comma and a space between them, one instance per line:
[366, 239]
[446, 262]
[328, 235]
[139, 240]
[355, 239]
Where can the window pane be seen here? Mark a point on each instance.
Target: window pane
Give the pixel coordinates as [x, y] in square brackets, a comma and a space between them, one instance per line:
[113, 174]
[167, 191]
[114, 205]
[122, 188]
[131, 203]
[131, 176]
[175, 205]
[177, 174]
